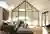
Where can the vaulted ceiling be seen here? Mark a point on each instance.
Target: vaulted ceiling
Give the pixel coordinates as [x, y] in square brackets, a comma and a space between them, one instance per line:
[41, 5]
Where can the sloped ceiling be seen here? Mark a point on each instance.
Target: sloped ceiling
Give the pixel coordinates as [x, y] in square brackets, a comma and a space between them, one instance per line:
[41, 5]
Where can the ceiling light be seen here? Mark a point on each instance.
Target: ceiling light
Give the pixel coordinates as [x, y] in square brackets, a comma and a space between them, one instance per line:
[11, 8]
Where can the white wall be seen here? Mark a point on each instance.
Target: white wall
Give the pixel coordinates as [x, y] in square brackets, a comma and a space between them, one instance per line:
[1, 16]
[41, 5]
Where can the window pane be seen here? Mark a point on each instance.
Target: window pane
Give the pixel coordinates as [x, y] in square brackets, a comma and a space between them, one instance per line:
[33, 17]
[15, 14]
[21, 15]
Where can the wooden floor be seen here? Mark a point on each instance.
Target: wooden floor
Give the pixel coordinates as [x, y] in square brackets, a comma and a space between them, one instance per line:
[37, 30]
